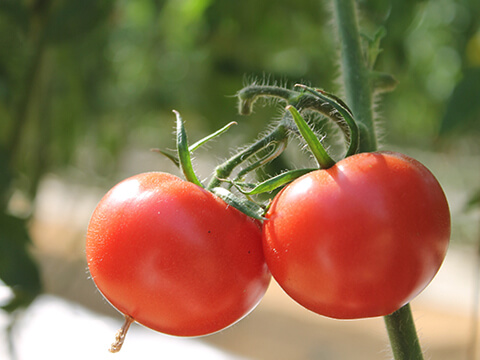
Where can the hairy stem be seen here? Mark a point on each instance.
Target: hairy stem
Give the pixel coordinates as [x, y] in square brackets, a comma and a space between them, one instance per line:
[224, 170]
[356, 76]
[403, 335]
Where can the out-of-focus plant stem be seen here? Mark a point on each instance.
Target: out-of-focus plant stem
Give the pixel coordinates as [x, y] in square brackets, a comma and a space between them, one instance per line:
[355, 74]
[25, 96]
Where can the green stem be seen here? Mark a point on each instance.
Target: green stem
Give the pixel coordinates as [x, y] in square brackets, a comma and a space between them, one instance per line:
[340, 107]
[276, 151]
[356, 76]
[224, 170]
[358, 91]
[403, 335]
[248, 95]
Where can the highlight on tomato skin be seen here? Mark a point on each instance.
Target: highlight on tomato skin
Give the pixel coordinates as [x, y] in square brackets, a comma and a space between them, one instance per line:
[174, 257]
[360, 239]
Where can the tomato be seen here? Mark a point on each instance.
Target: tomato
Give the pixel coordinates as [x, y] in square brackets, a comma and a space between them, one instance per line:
[360, 239]
[175, 257]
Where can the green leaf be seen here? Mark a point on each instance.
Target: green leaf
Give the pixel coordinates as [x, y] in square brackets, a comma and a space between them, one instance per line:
[373, 46]
[244, 205]
[18, 270]
[462, 114]
[382, 82]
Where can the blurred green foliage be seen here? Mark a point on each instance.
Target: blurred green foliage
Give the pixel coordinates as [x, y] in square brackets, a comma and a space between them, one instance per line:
[80, 79]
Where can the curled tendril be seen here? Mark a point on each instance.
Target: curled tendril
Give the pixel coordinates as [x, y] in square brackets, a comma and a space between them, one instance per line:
[308, 98]
[345, 113]
[275, 149]
[250, 94]
[323, 159]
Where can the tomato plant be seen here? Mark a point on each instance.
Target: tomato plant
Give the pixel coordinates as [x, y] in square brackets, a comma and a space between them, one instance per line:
[174, 257]
[356, 238]
[359, 239]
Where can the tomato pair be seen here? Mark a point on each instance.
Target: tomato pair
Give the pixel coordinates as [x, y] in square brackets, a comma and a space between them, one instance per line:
[359, 239]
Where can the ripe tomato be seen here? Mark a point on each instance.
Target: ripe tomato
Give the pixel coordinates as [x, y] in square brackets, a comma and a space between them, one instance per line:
[175, 257]
[360, 239]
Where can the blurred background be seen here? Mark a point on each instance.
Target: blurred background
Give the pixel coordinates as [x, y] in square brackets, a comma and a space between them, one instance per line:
[87, 88]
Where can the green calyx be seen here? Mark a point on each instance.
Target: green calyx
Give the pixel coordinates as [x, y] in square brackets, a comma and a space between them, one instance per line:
[182, 159]
[184, 153]
[323, 159]
[353, 134]
[307, 99]
[231, 180]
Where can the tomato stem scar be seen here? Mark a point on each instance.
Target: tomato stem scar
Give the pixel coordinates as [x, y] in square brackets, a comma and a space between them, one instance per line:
[120, 335]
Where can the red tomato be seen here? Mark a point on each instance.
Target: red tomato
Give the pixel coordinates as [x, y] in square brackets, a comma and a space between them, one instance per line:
[175, 257]
[360, 239]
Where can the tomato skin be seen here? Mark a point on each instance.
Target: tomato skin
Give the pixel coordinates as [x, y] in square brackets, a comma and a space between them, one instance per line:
[360, 239]
[175, 257]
